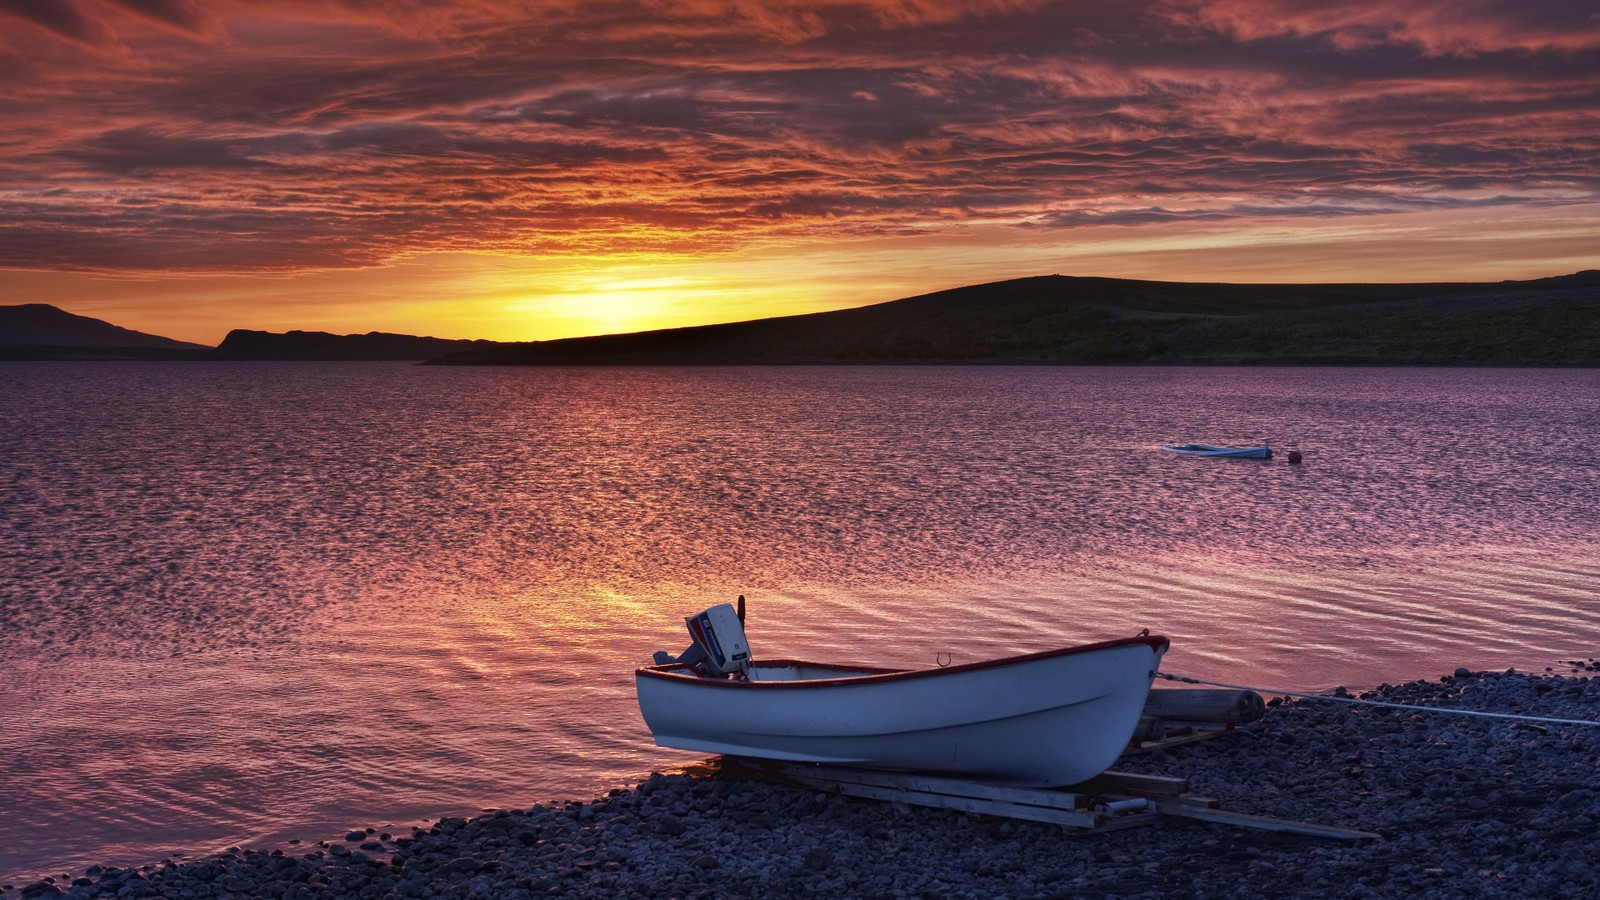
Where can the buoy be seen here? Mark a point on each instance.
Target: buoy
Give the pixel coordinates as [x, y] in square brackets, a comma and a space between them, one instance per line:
[1294, 457]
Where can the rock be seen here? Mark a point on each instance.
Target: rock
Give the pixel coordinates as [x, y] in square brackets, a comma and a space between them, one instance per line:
[1466, 807]
[817, 859]
[464, 865]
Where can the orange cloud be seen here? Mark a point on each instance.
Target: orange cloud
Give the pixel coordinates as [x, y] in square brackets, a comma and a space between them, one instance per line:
[1436, 27]
[141, 137]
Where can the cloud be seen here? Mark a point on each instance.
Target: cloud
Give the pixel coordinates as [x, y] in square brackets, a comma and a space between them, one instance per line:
[1436, 27]
[143, 151]
[62, 18]
[94, 23]
[182, 15]
[304, 134]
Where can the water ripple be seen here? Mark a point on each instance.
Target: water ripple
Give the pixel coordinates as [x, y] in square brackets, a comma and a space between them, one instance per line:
[247, 602]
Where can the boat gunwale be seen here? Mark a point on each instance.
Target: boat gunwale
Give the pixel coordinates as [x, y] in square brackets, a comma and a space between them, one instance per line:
[675, 672]
[1206, 449]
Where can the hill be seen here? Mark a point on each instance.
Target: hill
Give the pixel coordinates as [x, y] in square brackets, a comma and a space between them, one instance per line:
[1102, 321]
[1042, 320]
[41, 331]
[320, 345]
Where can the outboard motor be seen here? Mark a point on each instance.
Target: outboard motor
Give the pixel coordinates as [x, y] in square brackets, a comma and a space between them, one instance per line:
[719, 647]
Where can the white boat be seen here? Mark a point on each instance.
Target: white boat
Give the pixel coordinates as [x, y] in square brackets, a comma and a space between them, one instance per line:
[1052, 718]
[1261, 452]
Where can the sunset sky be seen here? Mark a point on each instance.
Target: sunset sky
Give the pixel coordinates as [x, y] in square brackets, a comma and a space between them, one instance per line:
[522, 169]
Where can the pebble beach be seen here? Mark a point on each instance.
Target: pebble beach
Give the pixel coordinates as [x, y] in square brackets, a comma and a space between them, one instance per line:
[1461, 806]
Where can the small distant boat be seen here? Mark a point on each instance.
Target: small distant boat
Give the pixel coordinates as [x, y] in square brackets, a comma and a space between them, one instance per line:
[1041, 719]
[1261, 452]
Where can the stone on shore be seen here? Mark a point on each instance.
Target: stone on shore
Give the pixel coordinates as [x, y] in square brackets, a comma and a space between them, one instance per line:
[1465, 807]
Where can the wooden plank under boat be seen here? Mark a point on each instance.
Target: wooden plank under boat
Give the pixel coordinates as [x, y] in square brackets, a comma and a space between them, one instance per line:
[1113, 800]
[1052, 718]
[1261, 452]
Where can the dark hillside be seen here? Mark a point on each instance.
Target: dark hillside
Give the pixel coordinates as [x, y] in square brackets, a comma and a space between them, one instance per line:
[320, 345]
[1062, 320]
[40, 331]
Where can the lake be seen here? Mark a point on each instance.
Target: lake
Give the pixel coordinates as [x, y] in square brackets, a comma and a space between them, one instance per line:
[243, 603]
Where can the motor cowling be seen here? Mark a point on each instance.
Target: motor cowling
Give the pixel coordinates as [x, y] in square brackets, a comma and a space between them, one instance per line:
[720, 647]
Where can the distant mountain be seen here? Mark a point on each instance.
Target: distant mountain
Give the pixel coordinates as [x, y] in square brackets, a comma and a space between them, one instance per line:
[1105, 321]
[320, 345]
[1049, 319]
[41, 331]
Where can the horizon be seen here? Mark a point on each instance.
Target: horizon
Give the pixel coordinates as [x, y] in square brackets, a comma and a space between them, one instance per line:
[362, 332]
[515, 171]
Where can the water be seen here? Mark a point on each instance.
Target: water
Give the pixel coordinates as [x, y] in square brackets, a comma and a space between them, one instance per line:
[245, 603]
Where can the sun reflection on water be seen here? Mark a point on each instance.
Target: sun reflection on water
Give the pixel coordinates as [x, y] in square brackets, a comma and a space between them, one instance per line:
[249, 595]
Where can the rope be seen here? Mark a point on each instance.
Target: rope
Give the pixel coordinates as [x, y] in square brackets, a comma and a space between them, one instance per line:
[1359, 702]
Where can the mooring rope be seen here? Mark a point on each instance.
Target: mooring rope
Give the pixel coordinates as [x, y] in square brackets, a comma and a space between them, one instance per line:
[1545, 720]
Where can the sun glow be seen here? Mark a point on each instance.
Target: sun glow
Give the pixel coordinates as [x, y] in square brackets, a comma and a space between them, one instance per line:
[307, 166]
[512, 298]
[546, 300]
[610, 305]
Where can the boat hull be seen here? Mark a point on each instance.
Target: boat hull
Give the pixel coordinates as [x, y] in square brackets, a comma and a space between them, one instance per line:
[1261, 452]
[1051, 718]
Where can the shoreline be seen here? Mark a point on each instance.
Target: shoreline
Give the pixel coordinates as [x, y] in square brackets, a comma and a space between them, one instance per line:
[1462, 806]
